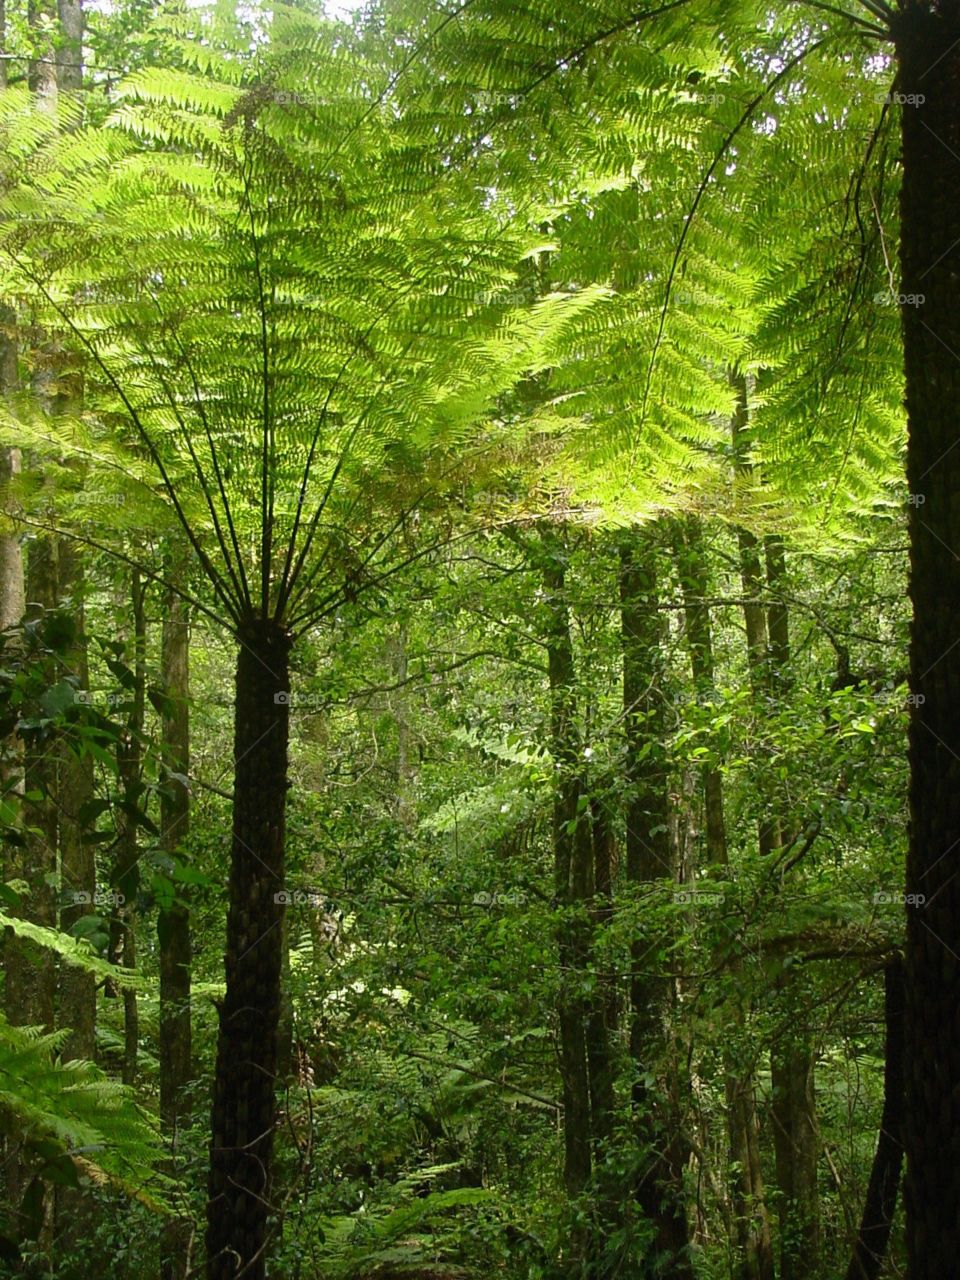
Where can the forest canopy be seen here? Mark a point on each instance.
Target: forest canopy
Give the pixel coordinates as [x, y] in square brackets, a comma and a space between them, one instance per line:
[479, 691]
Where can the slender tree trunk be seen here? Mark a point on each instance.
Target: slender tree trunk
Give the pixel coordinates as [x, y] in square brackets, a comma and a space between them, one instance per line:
[244, 1109]
[126, 873]
[573, 880]
[928, 49]
[30, 972]
[173, 921]
[796, 1148]
[792, 1054]
[78, 995]
[602, 1019]
[69, 53]
[881, 1201]
[750, 1220]
[658, 1187]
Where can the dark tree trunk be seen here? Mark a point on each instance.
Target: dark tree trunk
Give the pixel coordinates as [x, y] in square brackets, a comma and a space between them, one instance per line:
[928, 49]
[244, 1108]
[792, 1055]
[78, 992]
[573, 877]
[881, 1202]
[658, 1188]
[173, 920]
[796, 1148]
[126, 873]
[602, 1021]
[751, 1226]
[30, 973]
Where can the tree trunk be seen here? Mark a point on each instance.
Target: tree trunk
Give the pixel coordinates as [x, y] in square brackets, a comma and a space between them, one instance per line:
[78, 992]
[751, 1226]
[173, 920]
[928, 49]
[602, 1019]
[244, 1109]
[796, 1148]
[30, 972]
[69, 53]
[658, 1187]
[126, 873]
[881, 1202]
[573, 879]
[793, 1056]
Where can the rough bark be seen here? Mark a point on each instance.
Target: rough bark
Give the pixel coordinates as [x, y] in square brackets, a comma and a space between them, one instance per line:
[173, 920]
[602, 1019]
[870, 1248]
[572, 875]
[30, 972]
[751, 1225]
[796, 1148]
[244, 1111]
[69, 52]
[928, 49]
[11, 558]
[126, 877]
[77, 988]
[792, 1055]
[658, 1188]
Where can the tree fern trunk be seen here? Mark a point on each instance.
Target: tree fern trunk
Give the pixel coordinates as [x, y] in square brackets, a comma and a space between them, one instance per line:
[881, 1200]
[173, 921]
[928, 48]
[243, 1102]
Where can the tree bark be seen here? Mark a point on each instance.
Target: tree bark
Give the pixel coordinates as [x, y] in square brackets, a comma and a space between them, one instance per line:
[572, 876]
[126, 874]
[881, 1201]
[173, 920]
[602, 1019]
[928, 49]
[30, 972]
[78, 992]
[792, 1054]
[244, 1111]
[796, 1148]
[658, 1186]
[751, 1225]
